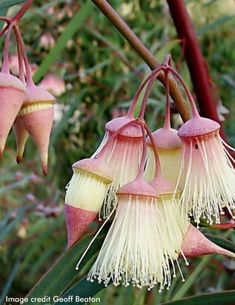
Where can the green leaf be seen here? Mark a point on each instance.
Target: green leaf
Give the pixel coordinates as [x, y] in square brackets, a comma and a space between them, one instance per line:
[6, 4]
[221, 298]
[73, 26]
[214, 25]
[192, 278]
[222, 242]
[9, 281]
[83, 289]
[62, 274]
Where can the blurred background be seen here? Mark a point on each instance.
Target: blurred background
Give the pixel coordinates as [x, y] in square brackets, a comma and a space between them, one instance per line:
[94, 74]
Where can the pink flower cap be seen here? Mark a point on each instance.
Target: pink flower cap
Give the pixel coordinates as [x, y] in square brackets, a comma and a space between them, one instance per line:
[138, 187]
[198, 126]
[21, 137]
[37, 114]
[95, 167]
[196, 244]
[132, 131]
[166, 138]
[12, 93]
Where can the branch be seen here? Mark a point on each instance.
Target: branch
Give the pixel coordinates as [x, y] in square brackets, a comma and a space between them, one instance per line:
[194, 58]
[144, 53]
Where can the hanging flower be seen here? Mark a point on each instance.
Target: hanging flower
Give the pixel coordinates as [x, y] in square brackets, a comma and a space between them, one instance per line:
[133, 252]
[207, 175]
[37, 115]
[84, 196]
[122, 155]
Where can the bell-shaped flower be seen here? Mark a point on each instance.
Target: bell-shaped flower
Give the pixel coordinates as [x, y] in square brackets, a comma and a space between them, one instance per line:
[84, 196]
[122, 155]
[207, 176]
[134, 250]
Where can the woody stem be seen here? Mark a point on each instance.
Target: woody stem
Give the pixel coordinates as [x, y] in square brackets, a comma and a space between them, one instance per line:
[144, 53]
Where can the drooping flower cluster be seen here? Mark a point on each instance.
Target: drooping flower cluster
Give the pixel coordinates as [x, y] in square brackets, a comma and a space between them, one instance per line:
[148, 182]
[23, 105]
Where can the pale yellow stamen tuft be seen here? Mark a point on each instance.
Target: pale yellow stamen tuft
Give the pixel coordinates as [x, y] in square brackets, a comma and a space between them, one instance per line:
[86, 190]
[134, 251]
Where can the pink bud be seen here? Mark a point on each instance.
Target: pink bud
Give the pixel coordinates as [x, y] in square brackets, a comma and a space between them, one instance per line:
[196, 244]
[37, 114]
[12, 93]
[21, 138]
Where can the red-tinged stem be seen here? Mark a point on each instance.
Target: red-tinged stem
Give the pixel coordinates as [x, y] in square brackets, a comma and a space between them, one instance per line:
[21, 46]
[156, 157]
[147, 93]
[22, 11]
[5, 64]
[5, 19]
[144, 53]
[140, 174]
[137, 95]
[8, 21]
[167, 120]
[187, 91]
[21, 63]
[194, 58]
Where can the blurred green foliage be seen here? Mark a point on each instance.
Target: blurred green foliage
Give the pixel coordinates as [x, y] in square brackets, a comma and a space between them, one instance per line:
[101, 73]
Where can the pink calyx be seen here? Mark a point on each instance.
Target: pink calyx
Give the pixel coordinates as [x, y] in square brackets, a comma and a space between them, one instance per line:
[132, 131]
[198, 126]
[196, 244]
[166, 138]
[138, 187]
[77, 222]
[95, 167]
